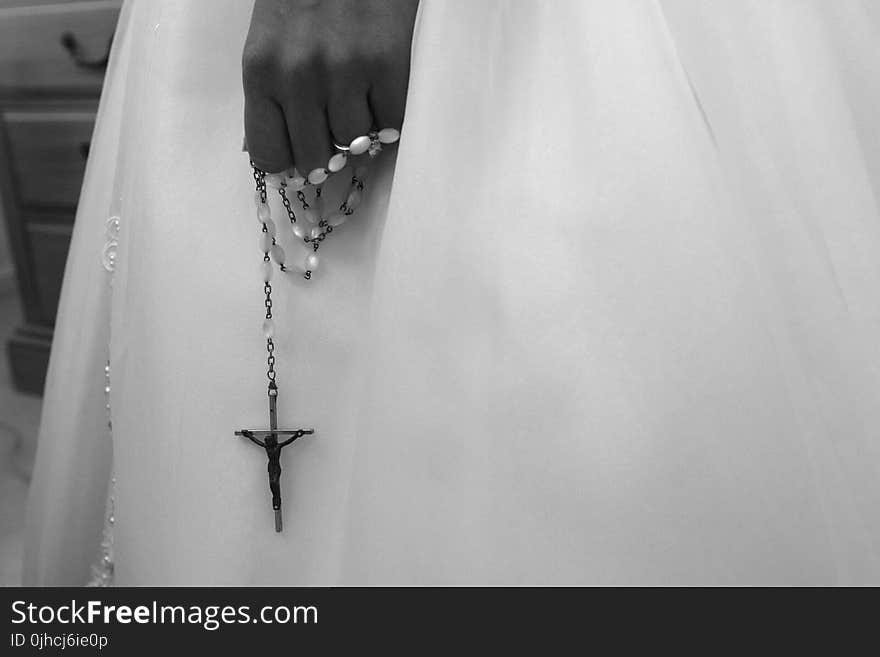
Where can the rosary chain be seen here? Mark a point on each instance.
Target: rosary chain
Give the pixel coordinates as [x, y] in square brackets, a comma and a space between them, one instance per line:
[286, 202]
[260, 180]
[325, 230]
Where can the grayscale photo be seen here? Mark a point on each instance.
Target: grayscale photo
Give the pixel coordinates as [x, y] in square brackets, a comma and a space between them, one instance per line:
[437, 293]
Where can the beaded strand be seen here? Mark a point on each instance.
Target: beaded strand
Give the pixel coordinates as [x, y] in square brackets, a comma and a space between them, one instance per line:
[315, 227]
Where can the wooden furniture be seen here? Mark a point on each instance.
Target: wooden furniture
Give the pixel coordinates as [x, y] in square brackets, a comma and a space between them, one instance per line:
[52, 60]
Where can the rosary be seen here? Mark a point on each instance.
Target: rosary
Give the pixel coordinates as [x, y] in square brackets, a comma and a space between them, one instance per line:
[313, 229]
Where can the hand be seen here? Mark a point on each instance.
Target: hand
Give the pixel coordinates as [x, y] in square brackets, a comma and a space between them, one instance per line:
[319, 71]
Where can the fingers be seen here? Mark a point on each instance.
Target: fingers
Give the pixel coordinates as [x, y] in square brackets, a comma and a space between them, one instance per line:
[349, 116]
[285, 118]
[309, 135]
[264, 126]
[348, 109]
[387, 97]
[266, 134]
[299, 126]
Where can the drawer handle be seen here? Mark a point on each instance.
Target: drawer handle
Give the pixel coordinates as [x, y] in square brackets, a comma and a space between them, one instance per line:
[75, 50]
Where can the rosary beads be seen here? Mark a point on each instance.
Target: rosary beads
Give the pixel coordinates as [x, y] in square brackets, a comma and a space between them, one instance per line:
[312, 227]
[317, 225]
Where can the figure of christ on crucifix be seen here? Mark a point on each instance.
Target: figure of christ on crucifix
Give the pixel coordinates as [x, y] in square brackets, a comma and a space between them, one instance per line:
[273, 451]
[273, 445]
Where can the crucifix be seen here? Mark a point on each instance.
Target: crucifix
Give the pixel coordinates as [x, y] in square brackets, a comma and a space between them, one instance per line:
[272, 442]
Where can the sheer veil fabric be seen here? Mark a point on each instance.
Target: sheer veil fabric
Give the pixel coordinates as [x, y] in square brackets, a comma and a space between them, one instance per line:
[610, 314]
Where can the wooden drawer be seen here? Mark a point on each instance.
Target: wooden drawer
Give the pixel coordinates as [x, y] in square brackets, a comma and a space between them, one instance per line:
[33, 57]
[48, 151]
[48, 245]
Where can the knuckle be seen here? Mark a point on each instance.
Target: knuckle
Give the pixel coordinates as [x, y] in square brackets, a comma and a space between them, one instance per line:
[258, 65]
[299, 66]
[342, 61]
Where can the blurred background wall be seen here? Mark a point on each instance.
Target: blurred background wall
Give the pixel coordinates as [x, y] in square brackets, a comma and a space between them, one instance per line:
[53, 54]
[6, 273]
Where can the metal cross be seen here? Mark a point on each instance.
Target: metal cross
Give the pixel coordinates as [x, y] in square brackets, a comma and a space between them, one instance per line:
[270, 441]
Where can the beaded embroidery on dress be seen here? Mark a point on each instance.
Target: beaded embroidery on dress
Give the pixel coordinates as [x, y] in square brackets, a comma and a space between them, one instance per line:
[102, 571]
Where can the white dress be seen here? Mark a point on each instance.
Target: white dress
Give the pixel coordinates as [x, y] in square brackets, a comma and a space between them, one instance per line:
[612, 316]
